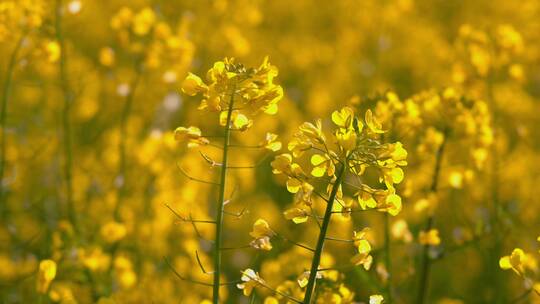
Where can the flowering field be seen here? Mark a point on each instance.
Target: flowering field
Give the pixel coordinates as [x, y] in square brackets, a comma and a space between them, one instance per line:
[269, 151]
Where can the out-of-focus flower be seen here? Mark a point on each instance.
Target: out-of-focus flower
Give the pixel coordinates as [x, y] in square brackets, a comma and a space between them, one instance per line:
[113, 231]
[46, 274]
[430, 237]
[376, 299]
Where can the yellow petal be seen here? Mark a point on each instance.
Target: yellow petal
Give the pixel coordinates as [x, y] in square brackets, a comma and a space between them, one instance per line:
[241, 122]
[293, 185]
[372, 123]
[318, 159]
[192, 85]
[397, 175]
[504, 263]
[517, 257]
[271, 109]
[394, 204]
[363, 246]
[297, 215]
[261, 229]
[318, 171]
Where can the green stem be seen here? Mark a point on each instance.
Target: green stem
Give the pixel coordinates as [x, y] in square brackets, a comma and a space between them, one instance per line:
[426, 261]
[310, 288]
[66, 123]
[495, 251]
[6, 94]
[221, 200]
[388, 259]
[126, 112]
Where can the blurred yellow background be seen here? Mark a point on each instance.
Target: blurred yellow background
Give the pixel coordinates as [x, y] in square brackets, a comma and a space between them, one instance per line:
[91, 96]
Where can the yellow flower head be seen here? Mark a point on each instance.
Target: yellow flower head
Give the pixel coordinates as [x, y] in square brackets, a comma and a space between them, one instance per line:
[271, 143]
[262, 243]
[282, 164]
[229, 82]
[250, 279]
[513, 261]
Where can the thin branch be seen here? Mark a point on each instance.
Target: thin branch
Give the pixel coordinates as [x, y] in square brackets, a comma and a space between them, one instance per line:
[235, 248]
[238, 215]
[216, 164]
[194, 281]
[184, 278]
[294, 243]
[246, 146]
[354, 211]
[200, 264]
[194, 178]
[315, 216]
[186, 220]
[320, 195]
[290, 298]
[338, 240]
[210, 161]
[350, 266]
[197, 230]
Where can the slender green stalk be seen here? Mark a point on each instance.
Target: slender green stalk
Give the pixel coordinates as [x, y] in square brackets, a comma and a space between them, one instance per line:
[126, 112]
[426, 261]
[6, 94]
[310, 288]
[495, 251]
[122, 155]
[69, 97]
[221, 201]
[388, 259]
